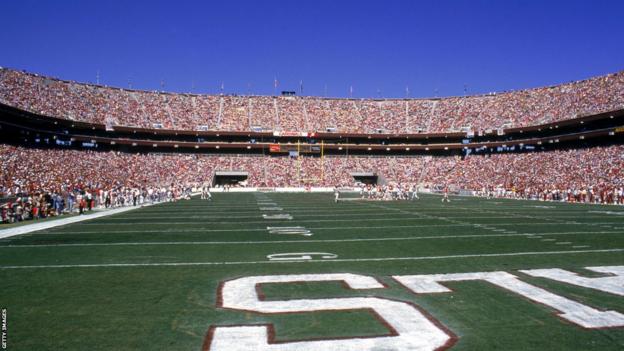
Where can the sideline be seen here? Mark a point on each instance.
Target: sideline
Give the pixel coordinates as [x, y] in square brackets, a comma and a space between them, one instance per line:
[29, 228]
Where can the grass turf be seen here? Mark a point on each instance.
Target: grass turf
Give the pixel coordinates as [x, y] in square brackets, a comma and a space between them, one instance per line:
[78, 297]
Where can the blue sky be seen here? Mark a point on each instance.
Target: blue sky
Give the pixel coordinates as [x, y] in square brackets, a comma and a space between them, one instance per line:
[379, 47]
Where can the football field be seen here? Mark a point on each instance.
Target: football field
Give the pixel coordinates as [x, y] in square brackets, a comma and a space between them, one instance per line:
[300, 272]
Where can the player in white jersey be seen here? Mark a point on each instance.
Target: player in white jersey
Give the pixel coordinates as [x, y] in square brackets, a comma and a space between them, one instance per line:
[414, 192]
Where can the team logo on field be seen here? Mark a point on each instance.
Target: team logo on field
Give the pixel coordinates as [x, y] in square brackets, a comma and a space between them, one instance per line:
[408, 326]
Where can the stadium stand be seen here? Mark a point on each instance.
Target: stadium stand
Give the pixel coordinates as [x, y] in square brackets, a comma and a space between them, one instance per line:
[530, 174]
[567, 167]
[104, 105]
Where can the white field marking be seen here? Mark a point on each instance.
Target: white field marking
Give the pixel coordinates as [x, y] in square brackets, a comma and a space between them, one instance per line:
[580, 246]
[254, 208]
[256, 222]
[577, 313]
[455, 220]
[613, 284]
[380, 259]
[617, 213]
[271, 209]
[289, 231]
[540, 206]
[250, 214]
[368, 215]
[435, 217]
[29, 228]
[434, 208]
[178, 231]
[277, 216]
[553, 219]
[247, 242]
[359, 220]
[549, 239]
[414, 331]
[175, 231]
[563, 243]
[301, 256]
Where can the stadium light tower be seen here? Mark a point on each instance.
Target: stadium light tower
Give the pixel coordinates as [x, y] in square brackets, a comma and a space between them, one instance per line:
[97, 77]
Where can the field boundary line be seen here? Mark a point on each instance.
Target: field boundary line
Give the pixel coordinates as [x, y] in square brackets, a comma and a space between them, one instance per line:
[29, 228]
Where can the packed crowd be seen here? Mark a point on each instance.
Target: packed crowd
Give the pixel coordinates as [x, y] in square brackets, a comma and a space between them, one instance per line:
[79, 199]
[584, 175]
[113, 106]
[56, 181]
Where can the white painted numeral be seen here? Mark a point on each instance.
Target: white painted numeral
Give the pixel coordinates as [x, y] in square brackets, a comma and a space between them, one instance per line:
[569, 310]
[409, 328]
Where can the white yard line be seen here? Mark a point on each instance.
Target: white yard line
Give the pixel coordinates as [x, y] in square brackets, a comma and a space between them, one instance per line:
[344, 220]
[178, 231]
[36, 226]
[436, 237]
[381, 259]
[197, 230]
[258, 215]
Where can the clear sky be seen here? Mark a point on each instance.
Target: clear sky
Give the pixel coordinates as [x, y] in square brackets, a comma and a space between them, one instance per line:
[437, 47]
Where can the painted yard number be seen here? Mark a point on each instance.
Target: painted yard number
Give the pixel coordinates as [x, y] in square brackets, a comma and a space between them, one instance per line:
[409, 327]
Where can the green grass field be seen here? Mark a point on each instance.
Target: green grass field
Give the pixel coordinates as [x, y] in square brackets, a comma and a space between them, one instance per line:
[148, 279]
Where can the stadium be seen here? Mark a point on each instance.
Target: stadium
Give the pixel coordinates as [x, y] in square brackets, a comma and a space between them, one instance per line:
[137, 219]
